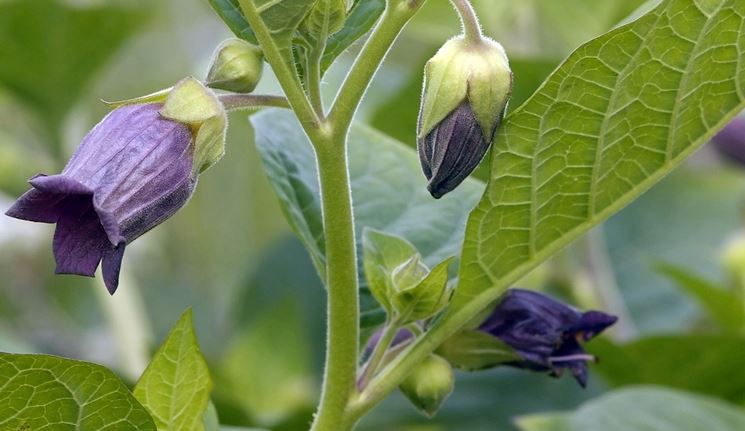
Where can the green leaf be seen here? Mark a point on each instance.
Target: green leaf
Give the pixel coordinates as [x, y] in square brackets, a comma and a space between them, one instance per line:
[645, 408]
[363, 15]
[723, 306]
[426, 298]
[381, 255]
[51, 50]
[473, 350]
[709, 364]
[230, 12]
[40, 392]
[176, 386]
[599, 133]
[388, 191]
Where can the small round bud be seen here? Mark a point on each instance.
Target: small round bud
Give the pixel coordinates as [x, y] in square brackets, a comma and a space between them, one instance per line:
[733, 255]
[466, 89]
[429, 385]
[237, 66]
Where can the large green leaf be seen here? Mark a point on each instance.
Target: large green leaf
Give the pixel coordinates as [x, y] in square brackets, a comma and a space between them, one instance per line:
[48, 393]
[50, 51]
[388, 190]
[712, 364]
[642, 409]
[619, 114]
[176, 386]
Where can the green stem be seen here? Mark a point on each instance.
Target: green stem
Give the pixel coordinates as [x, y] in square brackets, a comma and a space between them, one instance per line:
[471, 26]
[342, 289]
[389, 332]
[395, 17]
[237, 102]
[403, 364]
[314, 77]
[286, 76]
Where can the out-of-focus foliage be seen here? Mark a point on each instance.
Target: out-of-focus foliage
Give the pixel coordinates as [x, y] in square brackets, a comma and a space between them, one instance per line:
[258, 302]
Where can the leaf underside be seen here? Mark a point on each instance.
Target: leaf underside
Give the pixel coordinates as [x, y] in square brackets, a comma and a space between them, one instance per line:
[388, 192]
[643, 408]
[620, 113]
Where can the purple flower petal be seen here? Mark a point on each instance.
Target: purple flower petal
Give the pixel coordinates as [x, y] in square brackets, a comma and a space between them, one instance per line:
[133, 171]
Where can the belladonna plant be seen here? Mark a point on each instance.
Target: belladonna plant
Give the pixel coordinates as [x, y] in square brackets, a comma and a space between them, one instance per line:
[621, 112]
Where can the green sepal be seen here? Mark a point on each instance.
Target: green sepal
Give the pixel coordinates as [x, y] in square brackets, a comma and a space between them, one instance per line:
[382, 253]
[237, 66]
[424, 299]
[474, 350]
[159, 96]
[466, 71]
[429, 385]
[193, 104]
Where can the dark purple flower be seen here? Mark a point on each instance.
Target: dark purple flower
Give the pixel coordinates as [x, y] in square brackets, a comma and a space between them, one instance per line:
[730, 142]
[130, 173]
[546, 333]
[452, 150]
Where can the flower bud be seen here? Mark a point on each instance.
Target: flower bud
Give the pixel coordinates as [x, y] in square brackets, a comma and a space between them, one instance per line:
[466, 89]
[733, 255]
[237, 66]
[429, 385]
[326, 18]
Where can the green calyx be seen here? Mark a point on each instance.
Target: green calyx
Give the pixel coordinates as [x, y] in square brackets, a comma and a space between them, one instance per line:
[237, 66]
[466, 71]
[195, 105]
[400, 281]
[429, 385]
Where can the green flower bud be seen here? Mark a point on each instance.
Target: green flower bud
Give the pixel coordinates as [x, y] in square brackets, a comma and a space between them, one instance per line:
[466, 89]
[419, 293]
[326, 18]
[409, 273]
[429, 385]
[237, 66]
[733, 255]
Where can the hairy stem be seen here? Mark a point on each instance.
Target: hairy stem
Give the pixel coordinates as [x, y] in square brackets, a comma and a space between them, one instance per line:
[314, 77]
[285, 74]
[395, 17]
[342, 342]
[471, 26]
[237, 102]
[389, 332]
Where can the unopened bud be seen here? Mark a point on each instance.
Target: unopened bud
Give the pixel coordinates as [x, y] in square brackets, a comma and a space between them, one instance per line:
[466, 89]
[237, 66]
[326, 18]
[429, 385]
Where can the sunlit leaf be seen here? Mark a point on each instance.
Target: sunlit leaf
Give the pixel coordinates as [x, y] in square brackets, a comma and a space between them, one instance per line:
[643, 408]
[176, 386]
[600, 132]
[40, 392]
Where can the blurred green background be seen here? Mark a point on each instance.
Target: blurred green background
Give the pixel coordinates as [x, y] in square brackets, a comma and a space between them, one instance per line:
[258, 303]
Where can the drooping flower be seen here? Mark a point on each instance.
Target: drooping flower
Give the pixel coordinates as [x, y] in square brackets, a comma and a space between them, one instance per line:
[467, 85]
[133, 171]
[546, 333]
